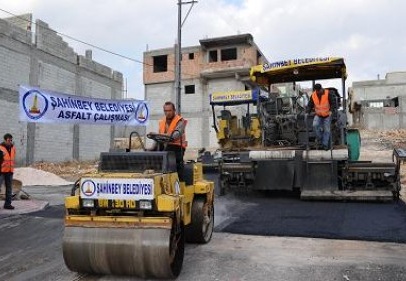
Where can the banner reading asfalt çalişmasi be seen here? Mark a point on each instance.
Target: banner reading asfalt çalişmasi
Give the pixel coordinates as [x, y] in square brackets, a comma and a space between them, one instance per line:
[37, 105]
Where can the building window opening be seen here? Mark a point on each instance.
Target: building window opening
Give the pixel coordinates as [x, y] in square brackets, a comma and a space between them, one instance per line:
[213, 56]
[391, 102]
[229, 54]
[388, 102]
[375, 104]
[160, 63]
[191, 56]
[189, 89]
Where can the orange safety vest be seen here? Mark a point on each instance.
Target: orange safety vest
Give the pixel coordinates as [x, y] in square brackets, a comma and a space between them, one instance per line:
[321, 106]
[164, 130]
[8, 159]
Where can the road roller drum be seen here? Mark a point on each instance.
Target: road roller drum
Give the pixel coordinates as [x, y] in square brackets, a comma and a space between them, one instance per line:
[124, 251]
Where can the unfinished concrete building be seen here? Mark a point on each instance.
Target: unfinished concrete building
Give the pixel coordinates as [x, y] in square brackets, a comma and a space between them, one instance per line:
[379, 104]
[217, 64]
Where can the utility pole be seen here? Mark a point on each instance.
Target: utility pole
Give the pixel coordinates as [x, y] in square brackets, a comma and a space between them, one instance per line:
[178, 55]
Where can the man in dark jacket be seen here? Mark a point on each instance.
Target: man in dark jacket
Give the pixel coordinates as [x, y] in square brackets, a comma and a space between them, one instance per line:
[7, 160]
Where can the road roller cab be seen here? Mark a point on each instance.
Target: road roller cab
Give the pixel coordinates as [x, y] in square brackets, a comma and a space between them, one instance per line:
[133, 216]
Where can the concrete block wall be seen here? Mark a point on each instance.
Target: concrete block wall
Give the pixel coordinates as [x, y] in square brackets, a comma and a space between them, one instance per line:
[51, 64]
[93, 89]
[196, 130]
[382, 119]
[14, 32]
[398, 77]
[53, 142]
[23, 22]
[56, 78]
[386, 118]
[379, 92]
[95, 67]
[94, 139]
[193, 103]
[156, 96]
[195, 109]
[10, 123]
[50, 42]
[394, 85]
[14, 68]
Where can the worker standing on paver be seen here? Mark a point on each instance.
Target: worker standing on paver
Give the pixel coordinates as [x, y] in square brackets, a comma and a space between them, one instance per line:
[7, 160]
[323, 104]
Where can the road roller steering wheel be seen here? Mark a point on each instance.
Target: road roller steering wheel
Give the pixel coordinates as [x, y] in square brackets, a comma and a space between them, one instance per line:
[160, 138]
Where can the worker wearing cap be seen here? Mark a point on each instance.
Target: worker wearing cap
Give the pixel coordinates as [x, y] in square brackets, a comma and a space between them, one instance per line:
[7, 158]
[323, 104]
[173, 125]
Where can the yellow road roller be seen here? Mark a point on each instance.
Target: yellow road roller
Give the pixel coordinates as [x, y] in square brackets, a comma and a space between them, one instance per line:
[133, 216]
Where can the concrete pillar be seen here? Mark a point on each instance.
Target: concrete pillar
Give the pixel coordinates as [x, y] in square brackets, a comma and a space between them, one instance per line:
[114, 95]
[401, 113]
[76, 127]
[31, 127]
[88, 54]
[207, 115]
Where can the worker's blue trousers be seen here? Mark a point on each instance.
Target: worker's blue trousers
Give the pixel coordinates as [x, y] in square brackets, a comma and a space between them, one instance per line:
[321, 126]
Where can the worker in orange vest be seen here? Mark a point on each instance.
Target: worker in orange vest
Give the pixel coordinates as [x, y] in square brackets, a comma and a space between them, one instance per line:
[323, 103]
[173, 125]
[7, 158]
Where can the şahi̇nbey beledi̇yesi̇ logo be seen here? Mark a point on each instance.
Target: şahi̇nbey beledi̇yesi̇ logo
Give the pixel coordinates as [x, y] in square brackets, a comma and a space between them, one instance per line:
[35, 104]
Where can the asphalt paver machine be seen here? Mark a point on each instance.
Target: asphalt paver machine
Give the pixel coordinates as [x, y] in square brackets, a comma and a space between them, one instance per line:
[272, 145]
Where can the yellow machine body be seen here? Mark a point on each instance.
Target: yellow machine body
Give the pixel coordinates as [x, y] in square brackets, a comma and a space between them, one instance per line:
[125, 223]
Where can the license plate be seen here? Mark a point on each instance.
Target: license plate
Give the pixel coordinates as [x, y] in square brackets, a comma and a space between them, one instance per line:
[120, 204]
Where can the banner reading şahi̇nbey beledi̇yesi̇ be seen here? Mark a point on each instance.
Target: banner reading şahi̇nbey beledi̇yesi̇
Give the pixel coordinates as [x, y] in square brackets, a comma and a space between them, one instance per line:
[37, 105]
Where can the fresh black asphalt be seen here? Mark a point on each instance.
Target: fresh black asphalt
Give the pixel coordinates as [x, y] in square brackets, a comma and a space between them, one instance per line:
[287, 216]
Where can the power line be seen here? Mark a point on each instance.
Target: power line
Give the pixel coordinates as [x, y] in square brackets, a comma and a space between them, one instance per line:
[86, 43]
[75, 39]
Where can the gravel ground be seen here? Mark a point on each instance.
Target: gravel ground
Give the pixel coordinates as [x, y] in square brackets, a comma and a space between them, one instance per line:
[30, 177]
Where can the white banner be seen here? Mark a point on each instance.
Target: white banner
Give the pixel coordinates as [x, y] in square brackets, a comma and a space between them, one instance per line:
[114, 188]
[37, 105]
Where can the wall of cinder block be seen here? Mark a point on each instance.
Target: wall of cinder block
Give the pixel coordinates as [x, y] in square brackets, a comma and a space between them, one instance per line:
[385, 118]
[43, 59]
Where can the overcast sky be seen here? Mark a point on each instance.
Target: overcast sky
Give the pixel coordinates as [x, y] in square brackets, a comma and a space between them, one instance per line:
[369, 34]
